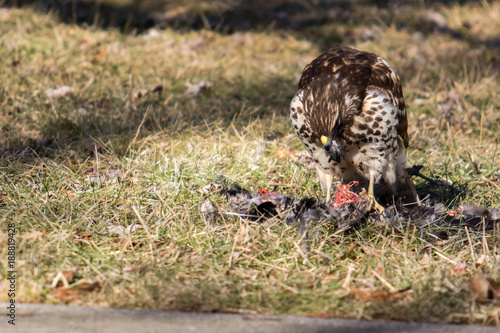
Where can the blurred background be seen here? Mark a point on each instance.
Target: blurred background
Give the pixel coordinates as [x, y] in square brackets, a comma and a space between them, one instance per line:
[308, 18]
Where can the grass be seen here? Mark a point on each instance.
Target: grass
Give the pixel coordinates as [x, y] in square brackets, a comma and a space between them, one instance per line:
[168, 145]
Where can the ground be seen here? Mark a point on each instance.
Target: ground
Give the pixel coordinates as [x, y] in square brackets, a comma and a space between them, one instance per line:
[110, 127]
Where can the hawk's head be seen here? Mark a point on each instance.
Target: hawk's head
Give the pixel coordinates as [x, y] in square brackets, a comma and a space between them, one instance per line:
[332, 149]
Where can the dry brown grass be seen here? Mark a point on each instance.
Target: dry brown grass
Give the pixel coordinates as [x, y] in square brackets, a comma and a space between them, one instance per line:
[168, 146]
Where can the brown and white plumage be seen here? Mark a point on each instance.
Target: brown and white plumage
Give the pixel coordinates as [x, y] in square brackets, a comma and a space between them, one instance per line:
[350, 114]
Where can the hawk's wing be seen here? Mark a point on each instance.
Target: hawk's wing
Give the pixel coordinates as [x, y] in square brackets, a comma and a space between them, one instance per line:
[344, 76]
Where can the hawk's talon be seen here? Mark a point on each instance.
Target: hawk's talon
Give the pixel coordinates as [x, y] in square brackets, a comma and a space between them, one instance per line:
[371, 201]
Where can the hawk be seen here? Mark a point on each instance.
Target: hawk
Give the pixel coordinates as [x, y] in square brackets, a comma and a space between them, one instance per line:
[349, 112]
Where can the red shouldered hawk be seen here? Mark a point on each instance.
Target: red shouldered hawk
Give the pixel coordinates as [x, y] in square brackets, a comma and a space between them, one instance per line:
[350, 114]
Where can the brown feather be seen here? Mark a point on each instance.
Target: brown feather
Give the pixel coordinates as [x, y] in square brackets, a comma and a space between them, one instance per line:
[356, 100]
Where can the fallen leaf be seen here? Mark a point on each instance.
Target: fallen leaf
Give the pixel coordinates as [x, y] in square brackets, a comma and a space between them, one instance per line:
[380, 270]
[68, 275]
[32, 235]
[434, 19]
[103, 103]
[90, 172]
[459, 269]
[370, 251]
[454, 96]
[111, 176]
[132, 227]
[304, 159]
[152, 33]
[4, 198]
[157, 243]
[138, 93]
[86, 236]
[88, 286]
[125, 242]
[67, 295]
[93, 148]
[247, 273]
[425, 261]
[330, 278]
[68, 193]
[115, 174]
[443, 242]
[130, 269]
[208, 211]
[81, 237]
[63, 279]
[116, 229]
[100, 51]
[195, 89]
[5, 14]
[94, 179]
[74, 294]
[189, 147]
[58, 91]
[482, 259]
[171, 249]
[242, 236]
[280, 181]
[282, 153]
[483, 288]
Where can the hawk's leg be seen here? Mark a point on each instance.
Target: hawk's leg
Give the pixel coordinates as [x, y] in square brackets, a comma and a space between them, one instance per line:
[371, 197]
[325, 180]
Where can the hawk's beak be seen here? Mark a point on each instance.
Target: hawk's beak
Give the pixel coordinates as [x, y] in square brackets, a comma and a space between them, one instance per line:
[326, 144]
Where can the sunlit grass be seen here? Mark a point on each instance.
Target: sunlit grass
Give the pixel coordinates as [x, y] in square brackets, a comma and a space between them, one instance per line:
[56, 153]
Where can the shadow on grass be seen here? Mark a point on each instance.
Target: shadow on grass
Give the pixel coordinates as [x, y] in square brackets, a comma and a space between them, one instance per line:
[79, 123]
[425, 305]
[311, 21]
[428, 306]
[304, 19]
